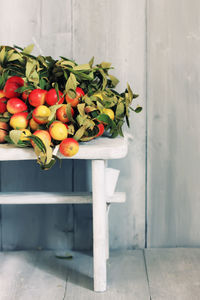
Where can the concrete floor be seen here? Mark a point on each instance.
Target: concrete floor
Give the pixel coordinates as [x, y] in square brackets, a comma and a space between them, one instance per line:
[164, 274]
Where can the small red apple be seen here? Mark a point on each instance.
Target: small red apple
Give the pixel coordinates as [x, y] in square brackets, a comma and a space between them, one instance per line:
[69, 147]
[16, 79]
[16, 105]
[12, 84]
[74, 101]
[3, 105]
[33, 125]
[52, 99]
[61, 114]
[10, 88]
[37, 97]
[41, 114]
[25, 95]
[58, 131]
[3, 131]
[19, 120]
[2, 94]
[43, 135]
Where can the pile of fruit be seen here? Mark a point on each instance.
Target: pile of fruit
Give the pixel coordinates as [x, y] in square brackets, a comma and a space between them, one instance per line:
[46, 102]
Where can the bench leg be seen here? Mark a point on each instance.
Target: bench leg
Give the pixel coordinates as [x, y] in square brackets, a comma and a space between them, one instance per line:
[99, 225]
[107, 230]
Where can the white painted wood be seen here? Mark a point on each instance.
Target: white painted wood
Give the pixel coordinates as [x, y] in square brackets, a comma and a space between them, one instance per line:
[55, 30]
[82, 213]
[48, 25]
[173, 273]
[101, 148]
[107, 230]
[173, 123]
[51, 226]
[114, 31]
[99, 225]
[55, 198]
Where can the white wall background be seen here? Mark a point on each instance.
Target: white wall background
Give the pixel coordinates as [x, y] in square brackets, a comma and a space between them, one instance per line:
[155, 45]
[109, 30]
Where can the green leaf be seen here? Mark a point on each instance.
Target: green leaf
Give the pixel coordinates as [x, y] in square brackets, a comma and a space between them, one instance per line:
[127, 121]
[71, 83]
[15, 56]
[91, 62]
[87, 138]
[89, 124]
[67, 63]
[38, 142]
[2, 55]
[105, 65]
[49, 165]
[81, 109]
[53, 110]
[104, 76]
[130, 93]
[69, 113]
[80, 132]
[71, 129]
[107, 120]
[83, 67]
[138, 109]
[120, 109]
[57, 91]
[28, 49]
[71, 93]
[15, 136]
[17, 47]
[114, 80]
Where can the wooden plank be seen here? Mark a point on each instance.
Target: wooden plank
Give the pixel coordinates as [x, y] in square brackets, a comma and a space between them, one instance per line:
[173, 123]
[109, 38]
[55, 198]
[23, 23]
[173, 273]
[126, 278]
[99, 225]
[31, 275]
[33, 24]
[101, 148]
[55, 30]
[51, 227]
[82, 213]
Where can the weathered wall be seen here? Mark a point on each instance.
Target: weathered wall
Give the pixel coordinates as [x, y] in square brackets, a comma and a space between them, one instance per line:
[173, 123]
[110, 30]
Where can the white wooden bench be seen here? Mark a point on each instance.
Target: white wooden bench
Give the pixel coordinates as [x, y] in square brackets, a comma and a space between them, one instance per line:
[99, 151]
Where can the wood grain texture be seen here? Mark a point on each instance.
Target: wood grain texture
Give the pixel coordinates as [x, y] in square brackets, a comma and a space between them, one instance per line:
[82, 213]
[173, 273]
[31, 275]
[101, 148]
[173, 123]
[115, 31]
[55, 30]
[55, 198]
[37, 226]
[80, 31]
[51, 227]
